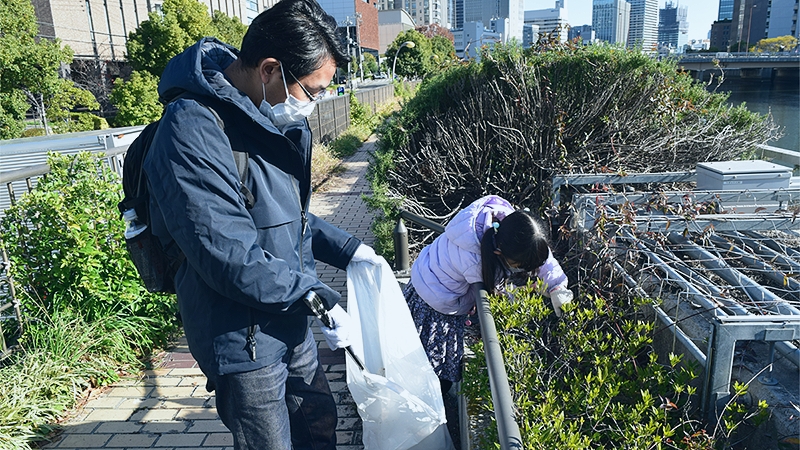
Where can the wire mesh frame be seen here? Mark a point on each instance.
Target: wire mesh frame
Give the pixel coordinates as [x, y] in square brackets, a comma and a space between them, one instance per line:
[732, 255]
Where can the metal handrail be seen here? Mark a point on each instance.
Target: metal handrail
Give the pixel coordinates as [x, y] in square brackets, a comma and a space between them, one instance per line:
[507, 428]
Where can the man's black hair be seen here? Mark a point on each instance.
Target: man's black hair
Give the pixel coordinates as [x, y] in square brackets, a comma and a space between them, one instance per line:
[298, 33]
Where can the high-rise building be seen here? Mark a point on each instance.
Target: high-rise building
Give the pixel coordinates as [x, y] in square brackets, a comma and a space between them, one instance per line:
[489, 12]
[721, 35]
[584, 34]
[725, 10]
[471, 38]
[610, 20]
[551, 21]
[749, 24]
[673, 29]
[783, 18]
[426, 12]
[530, 35]
[643, 28]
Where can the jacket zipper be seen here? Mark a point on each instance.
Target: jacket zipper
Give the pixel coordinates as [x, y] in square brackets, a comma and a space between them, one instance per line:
[303, 223]
[251, 338]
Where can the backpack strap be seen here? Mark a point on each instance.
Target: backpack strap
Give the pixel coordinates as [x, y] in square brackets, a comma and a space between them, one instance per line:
[240, 158]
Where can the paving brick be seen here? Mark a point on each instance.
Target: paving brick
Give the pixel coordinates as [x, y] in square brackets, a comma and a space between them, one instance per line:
[107, 415]
[135, 391]
[195, 372]
[207, 426]
[177, 391]
[154, 415]
[191, 402]
[119, 427]
[197, 414]
[180, 440]
[164, 427]
[218, 439]
[139, 403]
[131, 440]
[84, 440]
[80, 427]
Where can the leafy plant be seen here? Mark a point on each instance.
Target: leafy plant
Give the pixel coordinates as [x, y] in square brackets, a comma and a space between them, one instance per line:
[65, 242]
[590, 380]
[136, 99]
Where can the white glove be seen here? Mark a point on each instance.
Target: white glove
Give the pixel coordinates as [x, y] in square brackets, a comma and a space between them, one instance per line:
[338, 336]
[561, 296]
[367, 254]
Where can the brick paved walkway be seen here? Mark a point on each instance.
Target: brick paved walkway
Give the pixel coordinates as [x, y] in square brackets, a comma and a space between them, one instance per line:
[170, 409]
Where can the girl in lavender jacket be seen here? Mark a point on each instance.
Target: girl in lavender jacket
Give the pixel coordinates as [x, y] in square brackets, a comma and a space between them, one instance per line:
[484, 242]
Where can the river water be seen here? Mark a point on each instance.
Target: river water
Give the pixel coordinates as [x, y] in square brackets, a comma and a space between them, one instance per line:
[780, 97]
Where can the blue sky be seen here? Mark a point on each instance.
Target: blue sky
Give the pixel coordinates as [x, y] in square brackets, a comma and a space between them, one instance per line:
[701, 13]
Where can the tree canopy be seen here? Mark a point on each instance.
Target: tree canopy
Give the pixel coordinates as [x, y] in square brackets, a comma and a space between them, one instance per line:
[136, 99]
[776, 44]
[29, 75]
[428, 55]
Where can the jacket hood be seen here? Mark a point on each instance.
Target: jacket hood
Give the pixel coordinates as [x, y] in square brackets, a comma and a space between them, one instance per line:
[199, 70]
[467, 227]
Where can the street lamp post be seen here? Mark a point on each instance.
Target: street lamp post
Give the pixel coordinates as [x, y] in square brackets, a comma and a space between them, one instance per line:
[749, 22]
[409, 44]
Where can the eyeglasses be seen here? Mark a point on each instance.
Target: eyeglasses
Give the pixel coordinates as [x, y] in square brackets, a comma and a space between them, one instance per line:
[311, 98]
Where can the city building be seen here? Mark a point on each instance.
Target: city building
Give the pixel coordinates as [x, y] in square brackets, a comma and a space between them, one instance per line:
[783, 18]
[673, 28]
[610, 20]
[493, 14]
[98, 29]
[391, 23]
[469, 40]
[749, 24]
[530, 35]
[721, 35]
[583, 33]
[643, 27]
[359, 23]
[426, 12]
[551, 21]
[725, 10]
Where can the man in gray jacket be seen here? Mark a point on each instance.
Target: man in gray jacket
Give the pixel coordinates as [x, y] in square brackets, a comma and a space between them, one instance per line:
[250, 259]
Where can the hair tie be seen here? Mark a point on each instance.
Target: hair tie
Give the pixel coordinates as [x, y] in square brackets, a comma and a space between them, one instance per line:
[496, 226]
[526, 209]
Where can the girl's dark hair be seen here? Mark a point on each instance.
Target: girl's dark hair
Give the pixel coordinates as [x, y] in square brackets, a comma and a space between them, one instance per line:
[521, 238]
[298, 33]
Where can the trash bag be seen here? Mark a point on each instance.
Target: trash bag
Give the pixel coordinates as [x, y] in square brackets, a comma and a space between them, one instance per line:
[398, 396]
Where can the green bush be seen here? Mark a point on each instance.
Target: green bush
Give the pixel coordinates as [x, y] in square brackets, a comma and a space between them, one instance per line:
[591, 380]
[32, 132]
[65, 243]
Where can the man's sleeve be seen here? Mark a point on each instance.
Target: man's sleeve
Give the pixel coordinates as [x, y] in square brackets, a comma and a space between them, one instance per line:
[330, 244]
[194, 180]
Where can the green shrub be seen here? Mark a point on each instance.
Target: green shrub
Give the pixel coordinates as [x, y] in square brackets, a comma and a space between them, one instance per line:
[32, 132]
[65, 243]
[590, 380]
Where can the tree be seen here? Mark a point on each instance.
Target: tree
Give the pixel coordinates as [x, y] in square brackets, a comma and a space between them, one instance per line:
[432, 30]
[192, 16]
[229, 30]
[29, 73]
[444, 52]
[776, 44]
[370, 63]
[136, 100]
[412, 61]
[65, 99]
[155, 42]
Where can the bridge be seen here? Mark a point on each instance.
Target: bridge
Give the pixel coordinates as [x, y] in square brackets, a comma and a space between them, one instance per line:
[746, 65]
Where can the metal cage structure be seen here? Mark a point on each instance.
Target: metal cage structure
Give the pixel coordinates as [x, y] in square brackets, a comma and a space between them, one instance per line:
[725, 268]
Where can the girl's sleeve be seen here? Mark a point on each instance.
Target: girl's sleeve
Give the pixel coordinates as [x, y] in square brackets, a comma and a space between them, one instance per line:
[552, 274]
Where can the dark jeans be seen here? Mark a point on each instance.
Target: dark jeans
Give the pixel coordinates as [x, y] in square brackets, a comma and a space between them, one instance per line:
[282, 407]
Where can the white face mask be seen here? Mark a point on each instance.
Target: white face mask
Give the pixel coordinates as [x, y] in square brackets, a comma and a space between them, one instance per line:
[290, 111]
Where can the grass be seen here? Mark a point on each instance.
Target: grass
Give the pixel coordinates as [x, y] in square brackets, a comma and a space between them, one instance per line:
[60, 358]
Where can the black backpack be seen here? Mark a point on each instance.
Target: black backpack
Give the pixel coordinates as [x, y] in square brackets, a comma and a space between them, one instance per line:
[157, 266]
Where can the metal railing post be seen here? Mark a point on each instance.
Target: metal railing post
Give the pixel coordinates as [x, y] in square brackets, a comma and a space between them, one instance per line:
[400, 237]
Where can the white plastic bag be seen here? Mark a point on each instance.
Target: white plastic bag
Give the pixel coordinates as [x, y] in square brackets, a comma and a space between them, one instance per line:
[398, 396]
